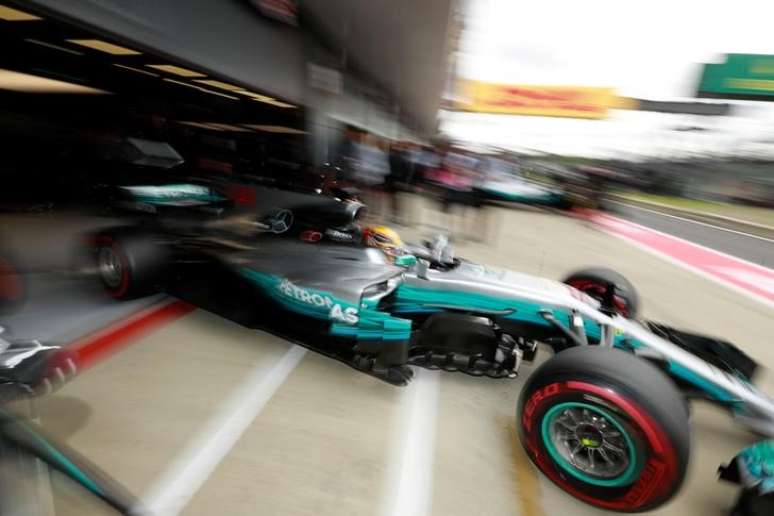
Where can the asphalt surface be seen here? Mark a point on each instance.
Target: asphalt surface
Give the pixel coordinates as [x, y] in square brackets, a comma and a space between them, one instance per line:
[748, 247]
[211, 417]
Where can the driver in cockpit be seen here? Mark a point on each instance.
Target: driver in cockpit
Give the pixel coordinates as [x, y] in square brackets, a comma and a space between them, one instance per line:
[384, 238]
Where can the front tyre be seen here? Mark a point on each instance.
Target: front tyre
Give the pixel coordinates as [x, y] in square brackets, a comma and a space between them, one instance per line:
[593, 282]
[606, 427]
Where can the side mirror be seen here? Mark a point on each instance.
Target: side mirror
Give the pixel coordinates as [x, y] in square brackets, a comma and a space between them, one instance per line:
[406, 260]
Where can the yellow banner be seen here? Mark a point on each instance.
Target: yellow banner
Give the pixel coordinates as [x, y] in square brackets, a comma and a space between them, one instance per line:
[514, 99]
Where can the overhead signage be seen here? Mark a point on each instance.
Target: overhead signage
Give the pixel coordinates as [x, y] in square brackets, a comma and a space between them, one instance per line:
[558, 101]
[740, 76]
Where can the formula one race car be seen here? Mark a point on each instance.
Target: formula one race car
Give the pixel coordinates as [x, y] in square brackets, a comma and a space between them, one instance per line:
[605, 419]
[513, 189]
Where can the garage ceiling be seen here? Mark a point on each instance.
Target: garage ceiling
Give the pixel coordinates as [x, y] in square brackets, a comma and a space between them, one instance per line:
[401, 43]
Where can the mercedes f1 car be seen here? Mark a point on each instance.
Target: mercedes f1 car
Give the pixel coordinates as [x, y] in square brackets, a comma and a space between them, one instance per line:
[522, 192]
[605, 419]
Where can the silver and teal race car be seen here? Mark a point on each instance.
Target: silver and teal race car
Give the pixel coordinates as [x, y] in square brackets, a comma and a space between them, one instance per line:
[505, 182]
[521, 191]
[605, 418]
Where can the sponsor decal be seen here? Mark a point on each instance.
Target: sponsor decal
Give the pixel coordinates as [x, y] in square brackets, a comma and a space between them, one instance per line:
[530, 99]
[533, 402]
[336, 312]
[279, 221]
[339, 236]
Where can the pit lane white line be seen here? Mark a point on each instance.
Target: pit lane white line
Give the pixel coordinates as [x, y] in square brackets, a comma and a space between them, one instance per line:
[694, 222]
[409, 482]
[189, 470]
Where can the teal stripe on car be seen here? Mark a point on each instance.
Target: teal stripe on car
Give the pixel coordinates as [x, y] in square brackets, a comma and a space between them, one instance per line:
[708, 387]
[66, 464]
[548, 198]
[371, 324]
[375, 326]
[413, 299]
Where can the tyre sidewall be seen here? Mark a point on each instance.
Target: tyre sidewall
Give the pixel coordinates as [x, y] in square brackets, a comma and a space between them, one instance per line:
[638, 396]
[658, 470]
[143, 262]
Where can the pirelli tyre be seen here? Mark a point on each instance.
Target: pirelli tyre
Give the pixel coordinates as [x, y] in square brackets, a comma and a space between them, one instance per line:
[593, 282]
[606, 427]
[131, 262]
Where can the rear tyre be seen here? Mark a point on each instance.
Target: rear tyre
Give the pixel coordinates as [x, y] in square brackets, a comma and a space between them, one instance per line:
[606, 427]
[131, 263]
[593, 282]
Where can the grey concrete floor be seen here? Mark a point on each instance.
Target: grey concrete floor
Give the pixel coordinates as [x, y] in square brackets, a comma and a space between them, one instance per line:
[324, 444]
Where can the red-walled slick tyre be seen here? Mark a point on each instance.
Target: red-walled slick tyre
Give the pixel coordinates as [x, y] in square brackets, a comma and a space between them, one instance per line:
[606, 427]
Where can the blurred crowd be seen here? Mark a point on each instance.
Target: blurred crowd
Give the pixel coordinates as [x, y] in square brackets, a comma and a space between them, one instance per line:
[386, 174]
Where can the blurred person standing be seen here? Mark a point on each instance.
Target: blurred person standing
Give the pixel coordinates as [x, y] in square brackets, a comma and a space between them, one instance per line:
[424, 162]
[371, 169]
[472, 171]
[479, 219]
[347, 155]
[398, 181]
[457, 177]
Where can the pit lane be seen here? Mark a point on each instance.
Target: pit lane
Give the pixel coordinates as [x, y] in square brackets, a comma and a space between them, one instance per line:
[753, 248]
[329, 440]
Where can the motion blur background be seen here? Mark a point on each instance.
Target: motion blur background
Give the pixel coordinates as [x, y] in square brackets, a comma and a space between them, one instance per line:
[263, 92]
[500, 122]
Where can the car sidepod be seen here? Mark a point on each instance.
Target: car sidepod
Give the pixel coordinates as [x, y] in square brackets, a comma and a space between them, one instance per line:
[336, 290]
[357, 320]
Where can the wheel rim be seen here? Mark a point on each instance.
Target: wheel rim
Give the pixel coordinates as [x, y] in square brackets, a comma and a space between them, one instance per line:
[590, 444]
[110, 267]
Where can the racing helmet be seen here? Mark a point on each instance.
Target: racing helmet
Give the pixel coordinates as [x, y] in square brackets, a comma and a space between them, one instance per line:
[384, 238]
